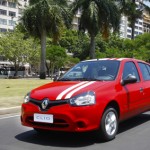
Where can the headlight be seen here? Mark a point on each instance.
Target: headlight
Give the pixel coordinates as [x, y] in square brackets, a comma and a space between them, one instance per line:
[87, 98]
[27, 98]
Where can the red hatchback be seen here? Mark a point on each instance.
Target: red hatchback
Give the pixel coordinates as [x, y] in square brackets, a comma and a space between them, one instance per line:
[93, 95]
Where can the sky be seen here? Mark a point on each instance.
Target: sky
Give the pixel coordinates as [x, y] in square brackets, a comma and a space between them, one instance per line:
[147, 3]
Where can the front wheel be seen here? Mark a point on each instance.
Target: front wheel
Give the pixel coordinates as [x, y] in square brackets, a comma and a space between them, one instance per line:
[109, 124]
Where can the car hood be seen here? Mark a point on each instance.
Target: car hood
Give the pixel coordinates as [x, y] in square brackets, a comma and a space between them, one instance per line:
[64, 90]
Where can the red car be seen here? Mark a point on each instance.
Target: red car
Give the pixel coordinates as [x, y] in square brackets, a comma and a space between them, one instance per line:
[93, 95]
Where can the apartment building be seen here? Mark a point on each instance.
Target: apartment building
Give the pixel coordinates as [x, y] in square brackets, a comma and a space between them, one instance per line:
[146, 22]
[125, 30]
[10, 13]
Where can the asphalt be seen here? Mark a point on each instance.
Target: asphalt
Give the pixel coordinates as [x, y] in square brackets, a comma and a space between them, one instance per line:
[10, 110]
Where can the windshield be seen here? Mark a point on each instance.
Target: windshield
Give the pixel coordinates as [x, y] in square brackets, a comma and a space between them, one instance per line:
[100, 70]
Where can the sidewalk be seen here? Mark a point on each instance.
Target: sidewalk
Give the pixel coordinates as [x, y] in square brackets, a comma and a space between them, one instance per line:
[10, 110]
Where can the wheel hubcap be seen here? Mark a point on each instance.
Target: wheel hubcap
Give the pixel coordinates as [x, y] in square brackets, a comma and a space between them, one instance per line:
[111, 123]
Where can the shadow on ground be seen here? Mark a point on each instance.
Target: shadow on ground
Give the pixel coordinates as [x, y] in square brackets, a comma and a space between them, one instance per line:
[63, 139]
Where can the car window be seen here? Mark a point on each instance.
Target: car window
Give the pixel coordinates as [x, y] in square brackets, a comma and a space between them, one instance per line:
[106, 70]
[148, 67]
[144, 70]
[130, 69]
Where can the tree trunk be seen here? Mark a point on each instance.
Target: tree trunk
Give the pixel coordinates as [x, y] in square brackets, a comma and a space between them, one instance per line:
[16, 69]
[43, 55]
[133, 25]
[92, 47]
[133, 29]
[52, 70]
[48, 70]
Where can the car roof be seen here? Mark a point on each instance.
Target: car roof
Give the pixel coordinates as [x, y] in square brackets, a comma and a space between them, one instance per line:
[117, 59]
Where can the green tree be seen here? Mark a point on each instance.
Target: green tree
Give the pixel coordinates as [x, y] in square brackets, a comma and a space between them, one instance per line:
[45, 18]
[56, 58]
[97, 15]
[16, 49]
[76, 43]
[71, 61]
[142, 46]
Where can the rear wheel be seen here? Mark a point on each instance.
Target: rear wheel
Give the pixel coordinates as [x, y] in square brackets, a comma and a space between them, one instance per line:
[109, 124]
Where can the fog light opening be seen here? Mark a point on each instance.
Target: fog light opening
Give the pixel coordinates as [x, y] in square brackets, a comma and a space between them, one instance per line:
[81, 124]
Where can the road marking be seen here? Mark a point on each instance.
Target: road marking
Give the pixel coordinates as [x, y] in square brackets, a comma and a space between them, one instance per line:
[9, 117]
[10, 108]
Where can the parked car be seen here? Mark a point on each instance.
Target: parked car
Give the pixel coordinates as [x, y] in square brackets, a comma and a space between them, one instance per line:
[95, 95]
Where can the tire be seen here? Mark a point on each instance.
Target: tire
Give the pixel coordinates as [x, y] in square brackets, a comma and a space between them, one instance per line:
[109, 124]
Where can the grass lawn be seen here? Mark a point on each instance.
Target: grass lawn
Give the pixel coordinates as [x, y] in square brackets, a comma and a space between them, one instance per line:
[12, 91]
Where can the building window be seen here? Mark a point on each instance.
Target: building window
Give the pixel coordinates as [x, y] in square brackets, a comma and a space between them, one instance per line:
[12, 5]
[20, 11]
[129, 30]
[12, 14]
[141, 23]
[129, 36]
[3, 30]
[136, 32]
[3, 12]
[3, 21]
[3, 2]
[10, 30]
[12, 23]
[140, 28]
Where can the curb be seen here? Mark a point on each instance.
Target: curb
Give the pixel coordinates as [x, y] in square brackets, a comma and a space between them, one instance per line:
[10, 110]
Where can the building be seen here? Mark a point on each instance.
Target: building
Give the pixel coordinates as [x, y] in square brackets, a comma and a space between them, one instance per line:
[10, 13]
[146, 22]
[125, 30]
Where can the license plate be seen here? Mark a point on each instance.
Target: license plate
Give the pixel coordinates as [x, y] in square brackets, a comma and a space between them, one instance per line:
[43, 118]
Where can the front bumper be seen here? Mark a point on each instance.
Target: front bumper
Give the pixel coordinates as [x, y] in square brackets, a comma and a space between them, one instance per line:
[66, 117]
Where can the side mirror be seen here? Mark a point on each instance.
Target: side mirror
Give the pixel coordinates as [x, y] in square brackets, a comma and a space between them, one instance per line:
[129, 79]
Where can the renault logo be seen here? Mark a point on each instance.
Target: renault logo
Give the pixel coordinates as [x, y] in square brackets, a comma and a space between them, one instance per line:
[45, 103]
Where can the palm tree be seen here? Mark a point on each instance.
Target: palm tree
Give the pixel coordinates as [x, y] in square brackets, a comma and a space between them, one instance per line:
[133, 11]
[45, 18]
[97, 16]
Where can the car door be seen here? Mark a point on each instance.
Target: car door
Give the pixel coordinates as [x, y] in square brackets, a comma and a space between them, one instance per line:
[134, 90]
[145, 71]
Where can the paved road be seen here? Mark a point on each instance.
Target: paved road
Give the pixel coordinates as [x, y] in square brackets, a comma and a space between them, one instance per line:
[134, 134]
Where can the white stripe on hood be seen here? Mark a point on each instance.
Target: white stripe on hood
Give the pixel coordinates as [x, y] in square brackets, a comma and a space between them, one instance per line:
[77, 89]
[68, 90]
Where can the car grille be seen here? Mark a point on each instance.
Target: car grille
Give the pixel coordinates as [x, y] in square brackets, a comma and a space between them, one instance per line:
[50, 104]
[58, 123]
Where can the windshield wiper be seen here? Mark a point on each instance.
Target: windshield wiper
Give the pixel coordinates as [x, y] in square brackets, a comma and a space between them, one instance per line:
[64, 79]
[79, 79]
[88, 79]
